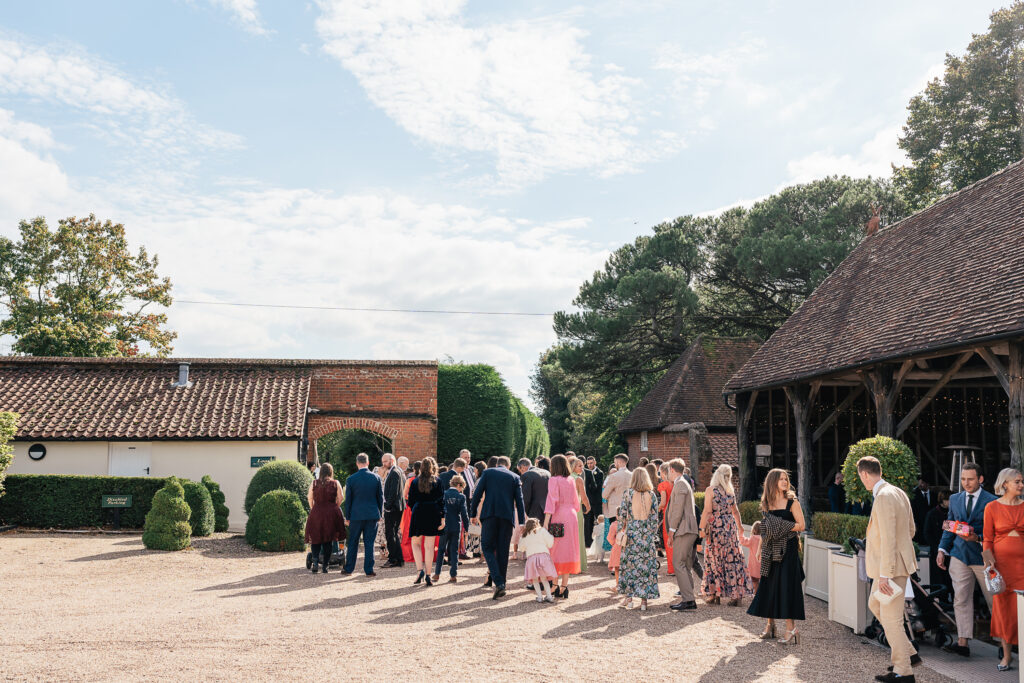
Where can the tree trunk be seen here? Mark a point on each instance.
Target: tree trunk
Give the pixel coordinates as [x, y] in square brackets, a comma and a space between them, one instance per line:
[1016, 381]
[879, 384]
[800, 398]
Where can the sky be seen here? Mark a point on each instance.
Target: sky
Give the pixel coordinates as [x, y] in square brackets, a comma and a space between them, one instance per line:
[434, 154]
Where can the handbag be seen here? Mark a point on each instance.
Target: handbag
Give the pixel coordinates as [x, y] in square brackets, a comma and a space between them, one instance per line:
[994, 581]
[557, 529]
[621, 539]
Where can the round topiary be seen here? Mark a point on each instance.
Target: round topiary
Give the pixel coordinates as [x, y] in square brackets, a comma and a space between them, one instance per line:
[201, 505]
[899, 466]
[277, 522]
[220, 510]
[166, 526]
[280, 474]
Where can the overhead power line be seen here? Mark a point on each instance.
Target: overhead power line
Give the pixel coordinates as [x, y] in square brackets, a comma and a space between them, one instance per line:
[353, 308]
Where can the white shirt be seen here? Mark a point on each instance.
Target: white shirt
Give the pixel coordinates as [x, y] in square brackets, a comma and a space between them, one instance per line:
[878, 484]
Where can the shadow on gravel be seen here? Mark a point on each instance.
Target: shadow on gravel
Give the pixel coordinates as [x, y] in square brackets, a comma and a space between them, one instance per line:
[273, 583]
[117, 555]
[231, 546]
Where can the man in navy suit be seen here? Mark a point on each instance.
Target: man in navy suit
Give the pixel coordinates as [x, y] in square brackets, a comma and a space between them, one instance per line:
[364, 502]
[964, 554]
[504, 498]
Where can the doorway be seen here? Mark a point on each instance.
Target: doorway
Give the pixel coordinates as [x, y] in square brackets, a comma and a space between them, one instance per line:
[129, 459]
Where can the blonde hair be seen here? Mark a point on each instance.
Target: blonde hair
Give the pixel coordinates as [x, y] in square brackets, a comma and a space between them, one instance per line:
[640, 480]
[457, 481]
[722, 479]
[1005, 475]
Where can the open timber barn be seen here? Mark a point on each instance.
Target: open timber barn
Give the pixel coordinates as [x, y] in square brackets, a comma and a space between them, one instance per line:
[918, 334]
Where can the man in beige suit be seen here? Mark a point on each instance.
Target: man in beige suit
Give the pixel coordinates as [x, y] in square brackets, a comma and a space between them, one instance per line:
[890, 560]
[681, 520]
[616, 484]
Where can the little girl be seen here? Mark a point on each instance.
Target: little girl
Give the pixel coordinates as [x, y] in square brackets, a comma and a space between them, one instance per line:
[753, 544]
[597, 547]
[540, 570]
[613, 559]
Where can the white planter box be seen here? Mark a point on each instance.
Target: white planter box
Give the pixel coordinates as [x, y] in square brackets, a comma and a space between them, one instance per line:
[847, 594]
[816, 563]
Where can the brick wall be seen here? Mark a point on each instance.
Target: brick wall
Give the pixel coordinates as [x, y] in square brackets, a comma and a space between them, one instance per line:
[663, 445]
[397, 400]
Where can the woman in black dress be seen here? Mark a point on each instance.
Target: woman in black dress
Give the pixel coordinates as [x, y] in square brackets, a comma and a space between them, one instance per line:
[780, 593]
[425, 500]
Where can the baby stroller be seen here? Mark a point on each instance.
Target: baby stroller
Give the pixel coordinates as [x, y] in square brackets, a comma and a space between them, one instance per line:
[924, 615]
[337, 557]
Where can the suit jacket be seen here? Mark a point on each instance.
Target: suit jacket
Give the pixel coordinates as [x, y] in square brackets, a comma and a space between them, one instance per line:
[614, 486]
[394, 491]
[593, 480]
[681, 513]
[535, 491]
[955, 546]
[504, 495]
[456, 516]
[890, 535]
[364, 496]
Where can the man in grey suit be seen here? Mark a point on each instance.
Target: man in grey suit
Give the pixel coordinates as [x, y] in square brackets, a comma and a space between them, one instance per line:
[616, 484]
[535, 489]
[681, 520]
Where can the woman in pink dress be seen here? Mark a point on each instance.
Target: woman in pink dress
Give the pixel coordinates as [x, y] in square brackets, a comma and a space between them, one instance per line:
[560, 509]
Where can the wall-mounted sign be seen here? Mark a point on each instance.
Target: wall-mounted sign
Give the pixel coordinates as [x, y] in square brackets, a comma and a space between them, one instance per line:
[37, 451]
[260, 460]
[763, 449]
[115, 501]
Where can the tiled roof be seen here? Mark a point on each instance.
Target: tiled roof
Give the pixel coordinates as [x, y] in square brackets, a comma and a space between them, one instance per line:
[724, 448]
[82, 398]
[691, 389]
[248, 362]
[948, 276]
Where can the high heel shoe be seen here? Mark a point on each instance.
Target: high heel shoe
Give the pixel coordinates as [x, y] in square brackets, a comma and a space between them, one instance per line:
[429, 582]
[768, 633]
[792, 638]
[557, 593]
[419, 579]
[565, 592]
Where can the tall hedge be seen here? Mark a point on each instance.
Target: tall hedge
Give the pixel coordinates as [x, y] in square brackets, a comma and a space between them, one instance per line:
[200, 503]
[8, 427]
[475, 410]
[220, 510]
[70, 501]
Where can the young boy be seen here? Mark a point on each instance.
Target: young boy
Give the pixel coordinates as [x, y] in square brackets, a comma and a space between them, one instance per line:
[456, 518]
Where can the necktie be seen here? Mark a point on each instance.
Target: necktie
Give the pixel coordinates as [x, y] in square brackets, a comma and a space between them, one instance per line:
[970, 505]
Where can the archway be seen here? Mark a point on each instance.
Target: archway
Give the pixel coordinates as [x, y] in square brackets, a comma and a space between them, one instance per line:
[340, 449]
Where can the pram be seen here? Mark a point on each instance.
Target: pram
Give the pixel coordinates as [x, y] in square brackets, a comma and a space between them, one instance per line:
[924, 614]
[337, 557]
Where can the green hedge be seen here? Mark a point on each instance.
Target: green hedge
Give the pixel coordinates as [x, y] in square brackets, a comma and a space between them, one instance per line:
[750, 510]
[167, 526]
[277, 522]
[220, 510]
[70, 501]
[200, 502]
[838, 528]
[289, 475]
[475, 410]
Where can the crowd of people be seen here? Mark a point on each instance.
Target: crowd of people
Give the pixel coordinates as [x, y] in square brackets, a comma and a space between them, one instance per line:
[546, 511]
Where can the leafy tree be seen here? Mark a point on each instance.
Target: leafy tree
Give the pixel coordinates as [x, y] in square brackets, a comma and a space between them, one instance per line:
[78, 291]
[8, 428]
[967, 125]
[547, 388]
[341, 448]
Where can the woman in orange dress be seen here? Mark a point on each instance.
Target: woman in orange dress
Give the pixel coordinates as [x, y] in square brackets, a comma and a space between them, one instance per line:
[664, 491]
[1003, 549]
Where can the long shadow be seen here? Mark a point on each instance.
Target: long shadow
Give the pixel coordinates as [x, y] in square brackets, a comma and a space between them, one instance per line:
[225, 547]
[272, 583]
[116, 555]
[737, 666]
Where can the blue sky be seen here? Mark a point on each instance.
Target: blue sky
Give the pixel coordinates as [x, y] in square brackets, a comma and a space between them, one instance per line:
[434, 153]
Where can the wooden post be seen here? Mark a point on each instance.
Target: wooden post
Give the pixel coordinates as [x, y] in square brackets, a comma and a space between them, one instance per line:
[1015, 376]
[884, 384]
[747, 457]
[800, 399]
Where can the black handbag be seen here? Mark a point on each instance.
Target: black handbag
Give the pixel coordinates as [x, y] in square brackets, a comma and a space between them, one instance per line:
[557, 529]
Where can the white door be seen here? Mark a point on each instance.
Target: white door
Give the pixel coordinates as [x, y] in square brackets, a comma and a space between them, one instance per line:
[129, 459]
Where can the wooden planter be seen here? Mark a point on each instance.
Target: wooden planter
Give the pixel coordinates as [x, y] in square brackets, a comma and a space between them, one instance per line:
[847, 594]
[816, 567]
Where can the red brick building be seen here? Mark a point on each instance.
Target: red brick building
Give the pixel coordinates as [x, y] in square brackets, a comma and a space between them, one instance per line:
[686, 404]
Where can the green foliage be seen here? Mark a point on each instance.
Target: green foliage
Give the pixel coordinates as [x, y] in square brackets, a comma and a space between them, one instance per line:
[289, 475]
[220, 509]
[698, 502]
[79, 291]
[475, 410]
[835, 527]
[70, 501]
[8, 428]
[899, 466]
[277, 522]
[967, 124]
[750, 511]
[548, 390]
[856, 527]
[167, 526]
[341, 448]
[201, 518]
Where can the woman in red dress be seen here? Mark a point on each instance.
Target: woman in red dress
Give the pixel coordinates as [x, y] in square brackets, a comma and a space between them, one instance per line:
[325, 524]
[1003, 549]
[407, 517]
[664, 492]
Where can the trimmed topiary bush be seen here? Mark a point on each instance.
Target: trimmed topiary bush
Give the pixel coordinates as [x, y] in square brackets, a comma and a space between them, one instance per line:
[698, 503]
[201, 505]
[167, 525]
[277, 522]
[899, 466]
[220, 510]
[289, 475]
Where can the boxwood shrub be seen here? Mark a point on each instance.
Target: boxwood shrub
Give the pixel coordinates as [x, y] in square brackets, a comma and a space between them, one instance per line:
[71, 501]
[750, 511]
[289, 475]
[277, 522]
[838, 528]
[167, 526]
[220, 510]
[201, 504]
[899, 466]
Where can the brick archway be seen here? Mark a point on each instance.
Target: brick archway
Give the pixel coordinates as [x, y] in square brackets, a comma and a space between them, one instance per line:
[321, 428]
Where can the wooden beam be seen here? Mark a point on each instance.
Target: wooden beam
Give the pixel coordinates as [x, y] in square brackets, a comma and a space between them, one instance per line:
[828, 421]
[997, 367]
[799, 398]
[748, 464]
[1015, 375]
[936, 388]
[879, 382]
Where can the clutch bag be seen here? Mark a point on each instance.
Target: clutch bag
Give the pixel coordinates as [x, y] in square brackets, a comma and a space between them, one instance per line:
[557, 529]
[994, 581]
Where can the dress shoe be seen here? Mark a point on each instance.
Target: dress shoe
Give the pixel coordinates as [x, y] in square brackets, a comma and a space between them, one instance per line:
[499, 592]
[915, 659]
[345, 572]
[684, 606]
[464, 557]
[453, 579]
[894, 678]
[962, 650]
[370, 575]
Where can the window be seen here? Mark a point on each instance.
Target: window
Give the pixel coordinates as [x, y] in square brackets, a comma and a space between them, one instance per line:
[643, 441]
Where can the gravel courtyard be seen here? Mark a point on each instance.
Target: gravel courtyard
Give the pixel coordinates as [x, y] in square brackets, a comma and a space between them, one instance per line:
[100, 607]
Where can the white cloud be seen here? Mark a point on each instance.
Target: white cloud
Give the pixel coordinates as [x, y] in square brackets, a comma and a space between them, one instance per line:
[525, 92]
[875, 158]
[246, 14]
[29, 177]
[698, 75]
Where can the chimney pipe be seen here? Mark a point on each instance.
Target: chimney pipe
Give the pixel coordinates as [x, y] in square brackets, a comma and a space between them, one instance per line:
[183, 376]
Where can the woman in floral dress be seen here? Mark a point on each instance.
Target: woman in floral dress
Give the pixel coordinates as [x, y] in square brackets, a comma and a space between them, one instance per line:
[638, 518]
[725, 570]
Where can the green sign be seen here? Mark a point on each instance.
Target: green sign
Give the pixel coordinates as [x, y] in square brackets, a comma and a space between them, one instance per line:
[260, 460]
[115, 501]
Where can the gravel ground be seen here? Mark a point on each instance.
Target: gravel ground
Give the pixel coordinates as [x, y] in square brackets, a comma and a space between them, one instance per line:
[98, 607]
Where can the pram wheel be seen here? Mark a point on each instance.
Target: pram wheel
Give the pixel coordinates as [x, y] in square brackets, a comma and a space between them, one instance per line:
[881, 638]
[941, 639]
[309, 561]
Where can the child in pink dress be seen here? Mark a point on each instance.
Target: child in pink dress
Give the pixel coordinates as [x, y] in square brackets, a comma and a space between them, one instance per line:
[613, 558]
[535, 543]
[753, 544]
